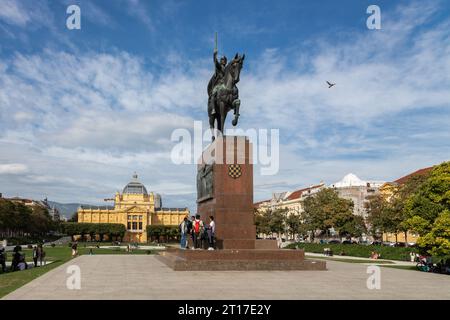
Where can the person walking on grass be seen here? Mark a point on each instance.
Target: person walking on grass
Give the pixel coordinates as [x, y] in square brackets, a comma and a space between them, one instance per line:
[183, 227]
[198, 231]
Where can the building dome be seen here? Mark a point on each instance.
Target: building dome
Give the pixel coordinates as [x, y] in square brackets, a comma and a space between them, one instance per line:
[350, 180]
[135, 187]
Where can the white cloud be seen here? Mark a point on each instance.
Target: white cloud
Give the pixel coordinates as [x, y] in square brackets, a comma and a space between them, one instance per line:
[13, 13]
[83, 123]
[13, 168]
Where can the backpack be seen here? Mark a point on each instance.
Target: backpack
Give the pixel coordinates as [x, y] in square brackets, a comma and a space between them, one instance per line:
[197, 226]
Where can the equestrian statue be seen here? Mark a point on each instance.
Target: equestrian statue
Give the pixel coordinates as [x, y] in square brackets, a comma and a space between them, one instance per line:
[223, 94]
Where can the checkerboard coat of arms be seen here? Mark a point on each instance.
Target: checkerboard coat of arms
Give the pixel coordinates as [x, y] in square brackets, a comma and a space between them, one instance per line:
[234, 171]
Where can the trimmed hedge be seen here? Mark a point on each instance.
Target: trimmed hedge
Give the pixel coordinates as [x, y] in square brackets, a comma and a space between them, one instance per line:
[167, 232]
[357, 250]
[110, 229]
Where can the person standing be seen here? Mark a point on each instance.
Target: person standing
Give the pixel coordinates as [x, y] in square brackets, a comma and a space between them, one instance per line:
[35, 256]
[184, 232]
[192, 231]
[198, 231]
[211, 232]
[188, 231]
[3, 259]
[41, 255]
[74, 249]
[16, 257]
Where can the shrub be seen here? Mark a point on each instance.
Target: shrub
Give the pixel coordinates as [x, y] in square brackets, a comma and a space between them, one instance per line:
[357, 250]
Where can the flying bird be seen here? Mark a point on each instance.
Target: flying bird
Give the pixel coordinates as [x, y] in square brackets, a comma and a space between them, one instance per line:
[330, 84]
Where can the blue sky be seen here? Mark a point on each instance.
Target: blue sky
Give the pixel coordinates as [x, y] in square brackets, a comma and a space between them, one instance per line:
[81, 110]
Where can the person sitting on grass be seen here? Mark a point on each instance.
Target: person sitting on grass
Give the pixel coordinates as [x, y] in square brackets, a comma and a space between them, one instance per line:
[16, 257]
[22, 265]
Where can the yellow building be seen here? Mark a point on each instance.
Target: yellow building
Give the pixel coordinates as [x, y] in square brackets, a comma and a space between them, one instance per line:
[136, 209]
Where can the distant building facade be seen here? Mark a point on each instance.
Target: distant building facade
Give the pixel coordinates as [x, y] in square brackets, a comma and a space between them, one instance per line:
[136, 209]
[54, 213]
[359, 191]
[290, 200]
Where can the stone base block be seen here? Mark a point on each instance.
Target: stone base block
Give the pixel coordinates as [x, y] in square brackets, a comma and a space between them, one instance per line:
[266, 244]
[232, 260]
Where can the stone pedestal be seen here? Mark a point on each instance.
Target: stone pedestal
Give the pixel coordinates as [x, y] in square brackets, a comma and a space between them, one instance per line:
[225, 191]
[230, 201]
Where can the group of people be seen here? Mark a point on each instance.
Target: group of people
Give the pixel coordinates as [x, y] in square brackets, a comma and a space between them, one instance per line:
[200, 233]
[39, 255]
[18, 261]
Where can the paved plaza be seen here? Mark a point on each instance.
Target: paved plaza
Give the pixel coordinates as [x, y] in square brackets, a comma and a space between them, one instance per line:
[145, 277]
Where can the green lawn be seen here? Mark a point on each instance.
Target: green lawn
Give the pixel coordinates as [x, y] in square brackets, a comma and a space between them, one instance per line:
[11, 281]
[352, 260]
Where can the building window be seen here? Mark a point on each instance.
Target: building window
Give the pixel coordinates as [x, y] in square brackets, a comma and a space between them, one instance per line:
[129, 225]
[140, 225]
[134, 225]
[129, 217]
[134, 217]
[140, 218]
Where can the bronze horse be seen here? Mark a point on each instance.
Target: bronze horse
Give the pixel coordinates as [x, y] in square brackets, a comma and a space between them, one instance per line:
[227, 95]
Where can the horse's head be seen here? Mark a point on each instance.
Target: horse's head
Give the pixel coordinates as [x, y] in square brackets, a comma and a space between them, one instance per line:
[235, 67]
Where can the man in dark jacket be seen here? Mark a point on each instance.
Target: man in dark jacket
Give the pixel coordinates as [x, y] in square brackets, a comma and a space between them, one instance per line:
[3, 259]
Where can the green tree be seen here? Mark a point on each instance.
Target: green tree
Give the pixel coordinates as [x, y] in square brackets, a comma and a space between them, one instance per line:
[277, 220]
[437, 241]
[262, 221]
[74, 217]
[349, 225]
[427, 204]
[326, 210]
[432, 196]
[378, 217]
[294, 225]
